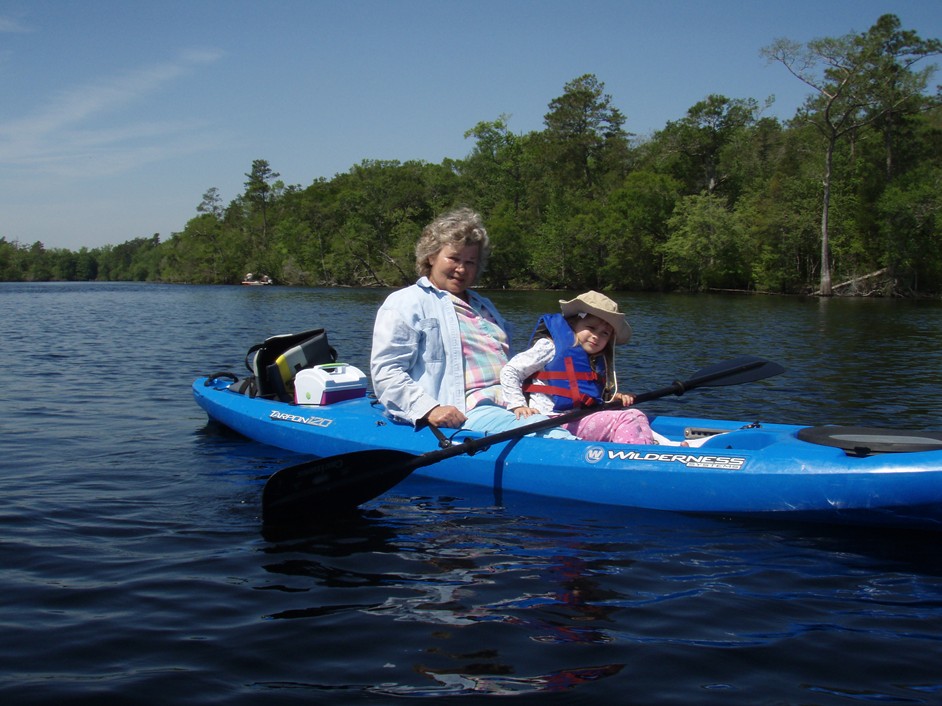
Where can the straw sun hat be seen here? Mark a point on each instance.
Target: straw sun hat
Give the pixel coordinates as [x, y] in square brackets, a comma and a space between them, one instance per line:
[601, 306]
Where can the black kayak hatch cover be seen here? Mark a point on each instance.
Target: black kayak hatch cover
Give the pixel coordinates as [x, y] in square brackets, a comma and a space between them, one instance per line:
[862, 441]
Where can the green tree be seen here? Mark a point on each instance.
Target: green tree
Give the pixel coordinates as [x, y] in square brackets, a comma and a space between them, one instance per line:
[64, 265]
[584, 136]
[259, 192]
[898, 88]
[698, 144]
[86, 265]
[38, 262]
[509, 263]
[211, 203]
[10, 261]
[493, 170]
[858, 79]
[912, 207]
[549, 246]
[705, 247]
[636, 227]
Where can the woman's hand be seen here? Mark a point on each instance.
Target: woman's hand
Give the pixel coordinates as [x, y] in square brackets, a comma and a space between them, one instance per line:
[524, 412]
[445, 415]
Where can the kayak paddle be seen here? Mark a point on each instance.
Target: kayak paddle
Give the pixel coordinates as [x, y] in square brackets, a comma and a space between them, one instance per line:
[306, 492]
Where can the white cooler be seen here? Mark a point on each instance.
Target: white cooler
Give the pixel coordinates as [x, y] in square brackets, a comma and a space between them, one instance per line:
[329, 383]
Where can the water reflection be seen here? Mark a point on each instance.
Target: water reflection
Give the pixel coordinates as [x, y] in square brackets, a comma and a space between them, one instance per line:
[574, 610]
[492, 678]
[476, 584]
[445, 564]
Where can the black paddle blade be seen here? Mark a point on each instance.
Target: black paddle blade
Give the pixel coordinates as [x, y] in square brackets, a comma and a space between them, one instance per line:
[310, 492]
[745, 368]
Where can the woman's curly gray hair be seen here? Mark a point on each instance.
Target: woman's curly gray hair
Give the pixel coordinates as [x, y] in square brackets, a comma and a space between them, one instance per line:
[458, 228]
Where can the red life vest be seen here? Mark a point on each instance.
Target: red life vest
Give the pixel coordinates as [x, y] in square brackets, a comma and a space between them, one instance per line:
[569, 377]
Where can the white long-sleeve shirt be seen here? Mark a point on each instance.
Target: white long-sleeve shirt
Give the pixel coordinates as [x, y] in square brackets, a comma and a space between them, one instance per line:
[521, 367]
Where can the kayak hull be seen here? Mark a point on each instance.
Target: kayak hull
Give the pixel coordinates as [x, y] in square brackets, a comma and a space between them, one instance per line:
[749, 469]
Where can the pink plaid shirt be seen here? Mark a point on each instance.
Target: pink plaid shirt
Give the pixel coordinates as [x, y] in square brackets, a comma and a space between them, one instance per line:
[485, 348]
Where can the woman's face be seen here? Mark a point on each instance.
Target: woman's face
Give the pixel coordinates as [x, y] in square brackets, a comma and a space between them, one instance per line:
[455, 269]
[593, 334]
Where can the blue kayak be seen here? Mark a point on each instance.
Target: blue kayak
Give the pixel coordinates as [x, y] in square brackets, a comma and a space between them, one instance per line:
[828, 473]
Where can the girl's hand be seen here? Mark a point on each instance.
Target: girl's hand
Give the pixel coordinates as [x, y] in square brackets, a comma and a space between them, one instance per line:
[626, 400]
[524, 412]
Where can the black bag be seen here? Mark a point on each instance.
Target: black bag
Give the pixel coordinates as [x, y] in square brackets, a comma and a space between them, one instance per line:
[277, 360]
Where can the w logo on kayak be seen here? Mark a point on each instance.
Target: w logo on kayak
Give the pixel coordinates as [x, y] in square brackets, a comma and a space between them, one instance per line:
[594, 454]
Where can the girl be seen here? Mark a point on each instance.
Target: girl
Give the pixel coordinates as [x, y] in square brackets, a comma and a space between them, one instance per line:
[570, 364]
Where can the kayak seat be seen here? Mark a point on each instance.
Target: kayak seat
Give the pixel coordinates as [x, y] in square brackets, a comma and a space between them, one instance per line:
[864, 441]
[277, 360]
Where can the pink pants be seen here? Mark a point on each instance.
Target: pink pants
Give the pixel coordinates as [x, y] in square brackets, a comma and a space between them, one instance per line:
[623, 426]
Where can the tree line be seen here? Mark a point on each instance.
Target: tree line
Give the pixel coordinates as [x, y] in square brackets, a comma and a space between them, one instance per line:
[845, 197]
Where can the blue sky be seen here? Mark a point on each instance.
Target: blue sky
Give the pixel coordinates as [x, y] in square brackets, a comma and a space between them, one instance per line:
[116, 115]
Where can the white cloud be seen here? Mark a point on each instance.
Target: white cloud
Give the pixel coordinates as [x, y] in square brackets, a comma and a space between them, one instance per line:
[58, 138]
[8, 24]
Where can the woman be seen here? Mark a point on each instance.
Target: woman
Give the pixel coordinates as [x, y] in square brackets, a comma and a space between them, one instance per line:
[438, 347]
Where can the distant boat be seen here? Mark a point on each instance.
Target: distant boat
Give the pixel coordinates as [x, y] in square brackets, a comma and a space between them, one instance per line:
[257, 280]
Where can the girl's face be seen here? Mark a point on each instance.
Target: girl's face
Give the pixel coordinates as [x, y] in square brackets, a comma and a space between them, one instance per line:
[455, 269]
[593, 334]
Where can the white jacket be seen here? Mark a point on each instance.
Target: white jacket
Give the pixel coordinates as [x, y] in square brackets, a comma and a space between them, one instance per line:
[416, 361]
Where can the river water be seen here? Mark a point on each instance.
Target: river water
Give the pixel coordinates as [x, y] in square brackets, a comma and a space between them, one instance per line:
[134, 569]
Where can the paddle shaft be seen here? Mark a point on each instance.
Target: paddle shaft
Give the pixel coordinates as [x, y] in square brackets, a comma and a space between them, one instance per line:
[307, 491]
[471, 446]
